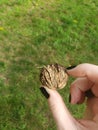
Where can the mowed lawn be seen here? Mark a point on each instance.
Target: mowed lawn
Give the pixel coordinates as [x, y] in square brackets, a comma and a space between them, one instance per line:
[34, 33]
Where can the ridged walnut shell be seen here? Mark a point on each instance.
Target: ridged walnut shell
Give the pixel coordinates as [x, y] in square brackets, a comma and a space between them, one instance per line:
[54, 76]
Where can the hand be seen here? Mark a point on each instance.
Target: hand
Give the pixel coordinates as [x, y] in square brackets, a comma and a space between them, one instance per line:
[87, 78]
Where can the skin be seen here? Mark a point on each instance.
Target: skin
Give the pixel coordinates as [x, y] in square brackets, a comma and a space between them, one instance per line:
[86, 78]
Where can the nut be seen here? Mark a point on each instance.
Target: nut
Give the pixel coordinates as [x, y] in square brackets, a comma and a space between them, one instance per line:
[54, 76]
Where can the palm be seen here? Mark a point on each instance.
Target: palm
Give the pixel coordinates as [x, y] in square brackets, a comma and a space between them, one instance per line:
[90, 121]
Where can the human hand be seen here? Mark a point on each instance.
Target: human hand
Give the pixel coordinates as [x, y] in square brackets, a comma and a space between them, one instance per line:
[87, 78]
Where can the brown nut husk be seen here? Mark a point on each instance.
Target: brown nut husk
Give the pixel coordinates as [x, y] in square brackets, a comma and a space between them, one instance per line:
[54, 76]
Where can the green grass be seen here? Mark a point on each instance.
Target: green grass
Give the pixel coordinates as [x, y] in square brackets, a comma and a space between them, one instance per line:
[33, 34]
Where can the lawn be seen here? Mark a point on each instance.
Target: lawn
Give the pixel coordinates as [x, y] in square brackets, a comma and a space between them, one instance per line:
[34, 33]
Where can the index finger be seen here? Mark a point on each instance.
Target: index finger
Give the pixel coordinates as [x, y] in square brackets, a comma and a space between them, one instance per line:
[89, 71]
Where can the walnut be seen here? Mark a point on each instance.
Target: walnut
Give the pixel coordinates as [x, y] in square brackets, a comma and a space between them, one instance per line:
[54, 76]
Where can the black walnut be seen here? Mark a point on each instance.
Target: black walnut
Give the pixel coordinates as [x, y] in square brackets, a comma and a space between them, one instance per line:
[54, 76]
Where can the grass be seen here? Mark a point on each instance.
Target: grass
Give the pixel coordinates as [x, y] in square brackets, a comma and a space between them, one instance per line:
[33, 34]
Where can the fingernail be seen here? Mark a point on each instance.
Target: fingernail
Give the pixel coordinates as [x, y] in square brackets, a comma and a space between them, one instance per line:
[71, 67]
[78, 103]
[44, 92]
[89, 94]
[69, 98]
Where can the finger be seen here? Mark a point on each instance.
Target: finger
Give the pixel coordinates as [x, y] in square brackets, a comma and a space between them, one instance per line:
[95, 89]
[88, 124]
[78, 89]
[85, 70]
[91, 108]
[60, 112]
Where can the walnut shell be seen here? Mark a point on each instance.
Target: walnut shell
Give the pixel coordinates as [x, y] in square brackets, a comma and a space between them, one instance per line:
[54, 76]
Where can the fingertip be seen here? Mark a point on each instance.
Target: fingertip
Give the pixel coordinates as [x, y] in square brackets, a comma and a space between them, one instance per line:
[44, 92]
[71, 67]
[69, 98]
[50, 94]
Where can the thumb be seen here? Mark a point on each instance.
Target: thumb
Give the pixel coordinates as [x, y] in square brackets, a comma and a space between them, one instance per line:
[59, 110]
